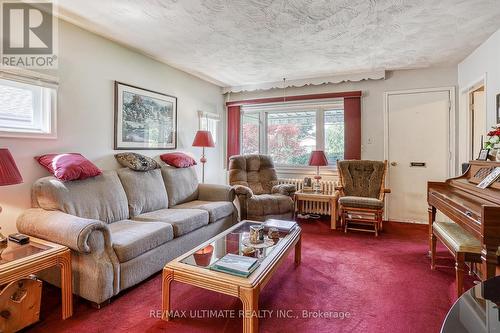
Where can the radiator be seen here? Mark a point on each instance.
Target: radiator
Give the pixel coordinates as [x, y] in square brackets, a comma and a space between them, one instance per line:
[313, 207]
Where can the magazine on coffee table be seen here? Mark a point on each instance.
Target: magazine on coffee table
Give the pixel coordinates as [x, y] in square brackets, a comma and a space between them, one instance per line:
[281, 225]
[236, 265]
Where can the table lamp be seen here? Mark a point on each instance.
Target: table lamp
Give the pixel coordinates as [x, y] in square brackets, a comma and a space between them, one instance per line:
[318, 159]
[203, 139]
[9, 175]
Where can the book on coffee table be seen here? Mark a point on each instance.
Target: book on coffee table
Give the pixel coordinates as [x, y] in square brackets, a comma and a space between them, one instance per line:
[236, 265]
[281, 225]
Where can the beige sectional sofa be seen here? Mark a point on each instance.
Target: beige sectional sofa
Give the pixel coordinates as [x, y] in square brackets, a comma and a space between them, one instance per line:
[124, 225]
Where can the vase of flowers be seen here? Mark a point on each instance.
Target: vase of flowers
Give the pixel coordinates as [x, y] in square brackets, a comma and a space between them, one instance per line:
[493, 143]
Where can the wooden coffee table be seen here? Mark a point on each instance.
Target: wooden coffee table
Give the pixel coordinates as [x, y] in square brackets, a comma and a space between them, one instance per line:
[193, 268]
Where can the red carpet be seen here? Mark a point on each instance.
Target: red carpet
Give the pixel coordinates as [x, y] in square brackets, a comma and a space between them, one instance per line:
[384, 283]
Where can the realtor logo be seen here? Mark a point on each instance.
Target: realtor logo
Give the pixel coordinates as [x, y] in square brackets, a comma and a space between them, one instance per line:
[28, 34]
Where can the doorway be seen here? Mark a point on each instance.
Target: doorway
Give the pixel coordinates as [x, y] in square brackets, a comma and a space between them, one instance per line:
[419, 146]
[477, 120]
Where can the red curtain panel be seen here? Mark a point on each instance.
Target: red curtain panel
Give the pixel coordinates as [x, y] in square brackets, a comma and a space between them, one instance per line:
[233, 130]
[352, 128]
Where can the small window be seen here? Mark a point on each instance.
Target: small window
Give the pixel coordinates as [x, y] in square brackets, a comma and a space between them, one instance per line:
[209, 122]
[26, 109]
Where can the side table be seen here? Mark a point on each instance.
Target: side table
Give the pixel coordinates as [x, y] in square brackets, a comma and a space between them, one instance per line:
[330, 198]
[20, 261]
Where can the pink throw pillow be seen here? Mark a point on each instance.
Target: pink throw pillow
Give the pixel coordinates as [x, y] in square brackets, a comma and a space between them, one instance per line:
[178, 160]
[70, 166]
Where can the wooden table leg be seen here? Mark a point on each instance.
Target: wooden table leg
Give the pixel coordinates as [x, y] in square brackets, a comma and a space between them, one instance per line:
[298, 251]
[168, 276]
[432, 217]
[333, 214]
[460, 267]
[250, 299]
[66, 284]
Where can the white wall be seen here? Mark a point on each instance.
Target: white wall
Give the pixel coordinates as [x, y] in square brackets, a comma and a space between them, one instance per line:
[88, 65]
[484, 62]
[372, 126]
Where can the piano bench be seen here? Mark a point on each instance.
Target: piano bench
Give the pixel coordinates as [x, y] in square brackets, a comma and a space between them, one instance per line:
[462, 245]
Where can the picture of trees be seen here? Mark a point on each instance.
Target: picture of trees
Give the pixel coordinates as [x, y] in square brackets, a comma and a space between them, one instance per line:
[144, 119]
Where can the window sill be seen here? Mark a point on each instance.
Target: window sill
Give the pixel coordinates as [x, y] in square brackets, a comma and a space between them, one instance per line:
[27, 135]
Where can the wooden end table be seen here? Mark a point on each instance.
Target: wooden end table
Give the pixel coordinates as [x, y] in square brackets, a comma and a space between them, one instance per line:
[20, 261]
[330, 198]
[195, 271]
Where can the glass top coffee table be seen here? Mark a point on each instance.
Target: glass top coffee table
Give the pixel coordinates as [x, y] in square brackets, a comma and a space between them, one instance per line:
[193, 268]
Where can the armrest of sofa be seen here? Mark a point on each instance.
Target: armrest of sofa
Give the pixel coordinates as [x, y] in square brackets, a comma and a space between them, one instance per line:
[213, 192]
[285, 189]
[65, 229]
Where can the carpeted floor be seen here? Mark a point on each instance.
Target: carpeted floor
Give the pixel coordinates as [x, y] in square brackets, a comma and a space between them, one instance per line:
[365, 284]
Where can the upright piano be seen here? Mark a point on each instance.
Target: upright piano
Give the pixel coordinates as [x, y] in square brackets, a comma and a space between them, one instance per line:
[476, 210]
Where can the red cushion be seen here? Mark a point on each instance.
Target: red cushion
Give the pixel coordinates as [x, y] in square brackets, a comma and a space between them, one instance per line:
[69, 166]
[178, 160]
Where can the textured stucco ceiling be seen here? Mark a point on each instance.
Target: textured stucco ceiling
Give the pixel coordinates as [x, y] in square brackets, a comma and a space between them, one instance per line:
[238, 42]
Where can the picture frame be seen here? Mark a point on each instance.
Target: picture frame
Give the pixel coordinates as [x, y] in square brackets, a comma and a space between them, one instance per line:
[144, 119]
[483, 155]
[498, 108]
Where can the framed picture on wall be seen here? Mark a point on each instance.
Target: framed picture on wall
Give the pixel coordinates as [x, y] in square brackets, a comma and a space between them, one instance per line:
[498, 108]
[144, 119]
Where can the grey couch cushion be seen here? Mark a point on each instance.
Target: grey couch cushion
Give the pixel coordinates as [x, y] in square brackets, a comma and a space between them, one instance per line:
[216, 209]
[361, 202]
[99, 198]
[269, 204]
[182, 220]
[181, 184]
[145, 190]
[131, 238]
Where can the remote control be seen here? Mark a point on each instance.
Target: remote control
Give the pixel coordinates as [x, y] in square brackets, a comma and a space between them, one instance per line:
[19, 238]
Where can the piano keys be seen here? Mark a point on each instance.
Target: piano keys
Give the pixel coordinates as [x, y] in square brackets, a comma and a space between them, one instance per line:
[476, 210]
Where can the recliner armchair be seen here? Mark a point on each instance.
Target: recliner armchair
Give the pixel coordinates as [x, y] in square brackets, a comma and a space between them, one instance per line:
[254, 180]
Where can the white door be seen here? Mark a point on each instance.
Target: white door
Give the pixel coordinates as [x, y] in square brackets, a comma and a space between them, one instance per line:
[417, 150]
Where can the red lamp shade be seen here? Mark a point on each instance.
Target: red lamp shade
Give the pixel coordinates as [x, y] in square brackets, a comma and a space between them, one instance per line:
[203, 139]
[318, 158]
[9, 174]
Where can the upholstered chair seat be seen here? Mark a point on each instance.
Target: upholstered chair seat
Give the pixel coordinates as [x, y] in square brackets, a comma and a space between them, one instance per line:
[361, 202]
[255, 183]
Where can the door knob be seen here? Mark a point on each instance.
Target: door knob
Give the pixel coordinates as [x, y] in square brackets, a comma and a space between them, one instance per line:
[394, 163]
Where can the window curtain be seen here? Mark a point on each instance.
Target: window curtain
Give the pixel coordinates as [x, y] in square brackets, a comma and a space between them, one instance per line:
[233, 130]
[352, 128]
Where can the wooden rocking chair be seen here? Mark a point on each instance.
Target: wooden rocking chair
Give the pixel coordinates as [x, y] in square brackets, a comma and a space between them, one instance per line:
[362, 194]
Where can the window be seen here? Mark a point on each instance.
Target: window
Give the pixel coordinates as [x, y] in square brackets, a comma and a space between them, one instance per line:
[291, 136]
[208, 122]
[289, 132]
[250, 133]
[26, 109]
[334, 135]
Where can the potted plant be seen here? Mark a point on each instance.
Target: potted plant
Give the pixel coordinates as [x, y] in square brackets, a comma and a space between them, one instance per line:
[493, 143]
